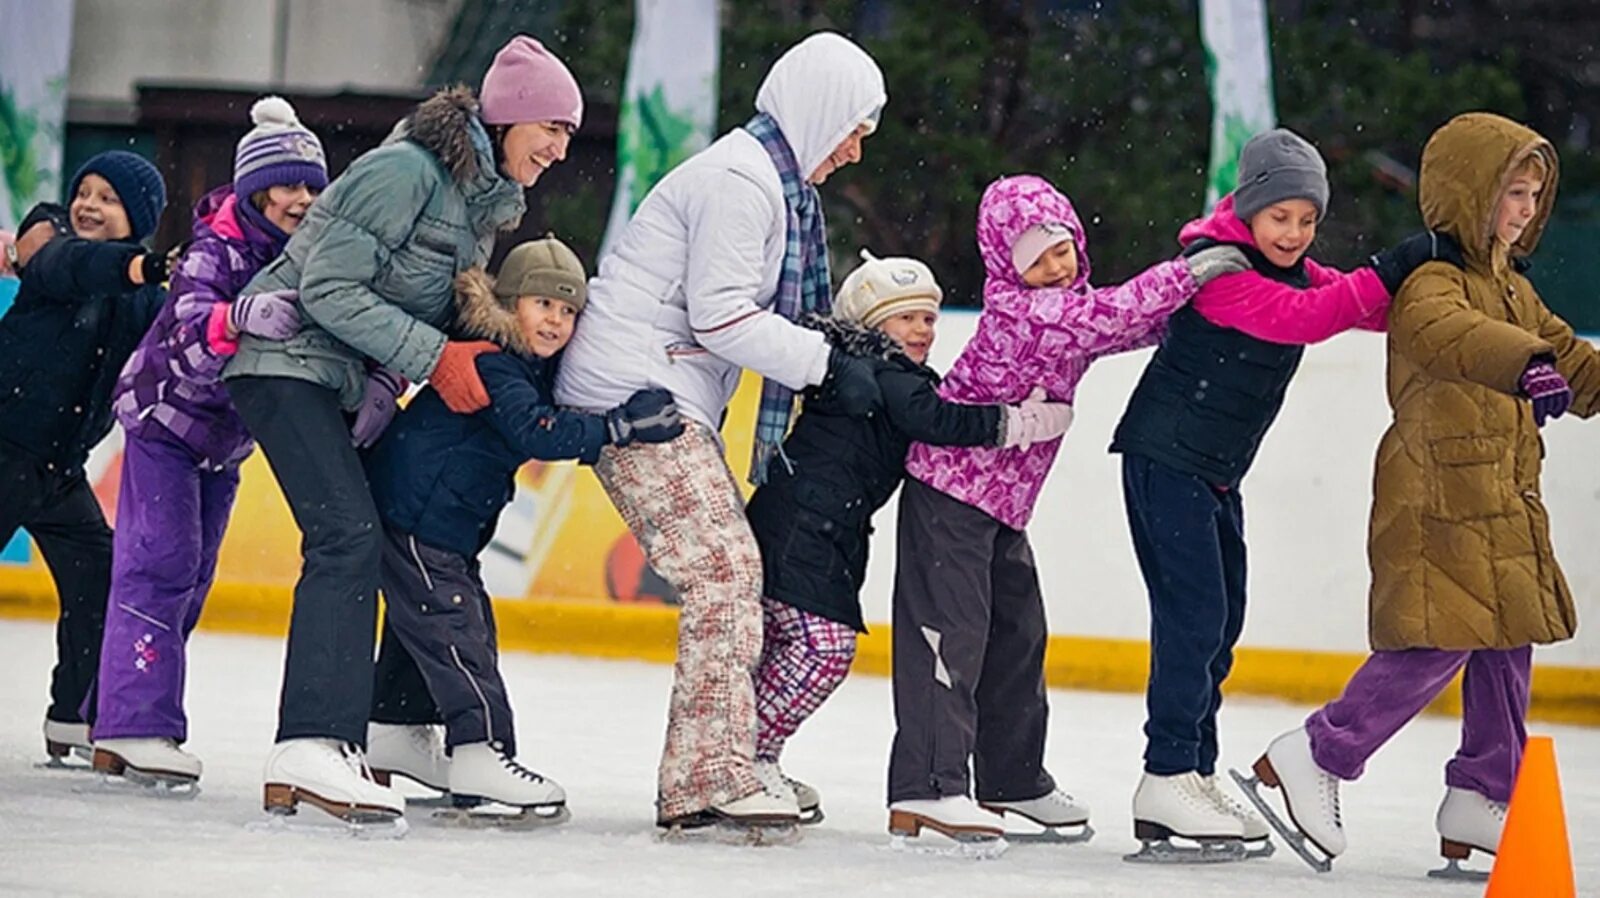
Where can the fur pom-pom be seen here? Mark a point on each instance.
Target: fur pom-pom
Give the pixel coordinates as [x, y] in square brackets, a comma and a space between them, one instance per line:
[273, 110]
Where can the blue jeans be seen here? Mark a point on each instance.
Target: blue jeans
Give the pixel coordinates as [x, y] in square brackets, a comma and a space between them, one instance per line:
[1189, 538]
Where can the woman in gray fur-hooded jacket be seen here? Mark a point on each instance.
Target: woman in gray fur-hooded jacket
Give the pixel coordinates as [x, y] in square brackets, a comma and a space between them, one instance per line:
[373, 268]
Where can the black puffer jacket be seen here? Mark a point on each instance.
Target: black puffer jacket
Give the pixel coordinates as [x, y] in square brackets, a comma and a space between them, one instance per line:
[813, 515]
[76, 320]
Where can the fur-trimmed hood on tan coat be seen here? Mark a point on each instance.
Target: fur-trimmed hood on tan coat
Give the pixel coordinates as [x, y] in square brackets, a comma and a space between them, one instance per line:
[1459, 542]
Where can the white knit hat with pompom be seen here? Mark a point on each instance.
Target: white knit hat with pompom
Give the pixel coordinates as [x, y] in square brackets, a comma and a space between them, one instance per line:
[278, 150]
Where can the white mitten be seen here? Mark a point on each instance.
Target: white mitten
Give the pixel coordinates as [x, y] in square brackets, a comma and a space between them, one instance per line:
[1035, 420]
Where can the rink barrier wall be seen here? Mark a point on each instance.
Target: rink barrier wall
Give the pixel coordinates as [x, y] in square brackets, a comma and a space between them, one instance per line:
[1568, 695]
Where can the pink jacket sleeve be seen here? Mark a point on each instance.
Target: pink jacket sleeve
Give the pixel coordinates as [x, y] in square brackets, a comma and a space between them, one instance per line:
[1104, 320]
[1278, 313]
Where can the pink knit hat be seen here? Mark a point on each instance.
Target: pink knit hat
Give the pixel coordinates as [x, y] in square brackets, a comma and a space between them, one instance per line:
[526, 83]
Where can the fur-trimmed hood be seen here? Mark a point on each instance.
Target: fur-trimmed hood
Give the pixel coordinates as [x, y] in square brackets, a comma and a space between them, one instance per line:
[852, 338]
[443, 125]
[479, 313]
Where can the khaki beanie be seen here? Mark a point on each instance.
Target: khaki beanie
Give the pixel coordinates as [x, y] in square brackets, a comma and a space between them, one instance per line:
[544, 268]
[880, 289]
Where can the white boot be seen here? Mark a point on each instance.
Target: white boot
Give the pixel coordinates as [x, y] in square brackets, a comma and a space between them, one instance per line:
[1054, 808]
[480, 772]
[956, 816]
[761, 807]
[329, 774]
[1467, 819]
[156, 758]
[1180, 805]
[62, 739]
[1255, 829]
[1310, 793]
[414, 751]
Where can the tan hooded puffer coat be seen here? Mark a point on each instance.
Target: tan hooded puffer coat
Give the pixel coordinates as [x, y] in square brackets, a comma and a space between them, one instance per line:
[1459, 542]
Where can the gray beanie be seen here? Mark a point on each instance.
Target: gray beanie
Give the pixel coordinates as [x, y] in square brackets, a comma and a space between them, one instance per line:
[1279, 165]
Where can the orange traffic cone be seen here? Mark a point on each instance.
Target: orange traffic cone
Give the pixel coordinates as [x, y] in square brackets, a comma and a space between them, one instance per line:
[1535, 858]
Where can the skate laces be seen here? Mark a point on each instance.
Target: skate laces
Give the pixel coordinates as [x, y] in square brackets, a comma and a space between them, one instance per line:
[773, 781]
[1328, 785]
[517, 770]
[356, 760]
[426, 739]
[1222, 798]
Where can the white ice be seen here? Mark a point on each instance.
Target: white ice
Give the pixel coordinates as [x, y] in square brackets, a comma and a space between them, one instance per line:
[596, 727]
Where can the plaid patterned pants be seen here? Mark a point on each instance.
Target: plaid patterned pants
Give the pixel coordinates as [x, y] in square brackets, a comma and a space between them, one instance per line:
[683, 506]
[803, 659]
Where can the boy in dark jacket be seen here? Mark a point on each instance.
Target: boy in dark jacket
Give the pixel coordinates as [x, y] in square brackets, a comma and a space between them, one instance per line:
[85, 300]
[812, 516]
[440, 480]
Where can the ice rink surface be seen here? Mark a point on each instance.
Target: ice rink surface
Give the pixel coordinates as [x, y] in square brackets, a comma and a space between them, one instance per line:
[595, 726]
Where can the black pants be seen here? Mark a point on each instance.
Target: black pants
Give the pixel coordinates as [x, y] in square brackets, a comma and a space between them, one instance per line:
[1189, 537]
[439, 633]
[327, 674]
[969, 639]
[64, 518]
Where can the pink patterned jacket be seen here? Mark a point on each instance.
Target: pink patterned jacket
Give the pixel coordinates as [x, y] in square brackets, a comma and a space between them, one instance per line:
[1029, 337]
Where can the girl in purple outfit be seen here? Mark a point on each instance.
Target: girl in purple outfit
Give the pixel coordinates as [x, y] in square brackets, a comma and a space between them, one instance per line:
[185, 442]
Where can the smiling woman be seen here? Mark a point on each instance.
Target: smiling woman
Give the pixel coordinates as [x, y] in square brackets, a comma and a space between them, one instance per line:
[370, 271]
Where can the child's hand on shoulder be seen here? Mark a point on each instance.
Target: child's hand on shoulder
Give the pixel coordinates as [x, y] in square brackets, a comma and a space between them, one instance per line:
[1213, 262]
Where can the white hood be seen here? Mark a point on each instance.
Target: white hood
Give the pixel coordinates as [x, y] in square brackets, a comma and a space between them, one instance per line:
[819, 91]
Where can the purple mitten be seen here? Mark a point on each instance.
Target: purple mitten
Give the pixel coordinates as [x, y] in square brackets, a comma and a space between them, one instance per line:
[1551, 395]
[377, 407]
[270, 316]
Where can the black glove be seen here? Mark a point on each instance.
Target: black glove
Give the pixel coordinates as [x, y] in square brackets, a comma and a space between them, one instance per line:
[851, 386]
[1396, 263]
[649, 416]
[153, 267]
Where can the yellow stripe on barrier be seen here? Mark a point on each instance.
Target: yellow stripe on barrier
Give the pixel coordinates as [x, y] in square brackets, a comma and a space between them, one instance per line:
[650, 633]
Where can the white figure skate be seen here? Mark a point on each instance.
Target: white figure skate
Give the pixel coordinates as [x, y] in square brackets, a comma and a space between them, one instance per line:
[1257, 835]
[333, 777]
[157, 765]
[1310, 796]
[1467, 822]
[1065, 819]
[490, 789]
[414, 752]
[977, 833]
[806, 798]
[763, 817]
[1180, 806]
[67, 746]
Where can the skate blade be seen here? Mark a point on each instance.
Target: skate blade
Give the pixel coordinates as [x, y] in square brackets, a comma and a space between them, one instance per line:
[1205, 851]
[1050, 834]
[812, 816]
[966, 846]
[278, 822]
[72, 763]
[1256, 852]
[1296, 840]
[1453, 871]
[493, 815]
[728, 832]
[132, 782]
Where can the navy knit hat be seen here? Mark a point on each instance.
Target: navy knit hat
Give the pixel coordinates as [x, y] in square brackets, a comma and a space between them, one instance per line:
[278, 151]
[138, 185]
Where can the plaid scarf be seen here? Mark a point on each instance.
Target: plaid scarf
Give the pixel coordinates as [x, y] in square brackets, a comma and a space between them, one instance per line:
[803, 285]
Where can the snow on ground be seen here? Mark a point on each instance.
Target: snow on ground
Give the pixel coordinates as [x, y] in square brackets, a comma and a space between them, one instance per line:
[595, 726]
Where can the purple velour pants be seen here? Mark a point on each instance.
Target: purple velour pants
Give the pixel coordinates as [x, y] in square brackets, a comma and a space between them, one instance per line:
[171, 514]
[1393, 687]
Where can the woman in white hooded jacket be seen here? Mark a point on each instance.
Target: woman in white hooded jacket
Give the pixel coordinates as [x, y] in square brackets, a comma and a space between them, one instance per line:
[707, 279]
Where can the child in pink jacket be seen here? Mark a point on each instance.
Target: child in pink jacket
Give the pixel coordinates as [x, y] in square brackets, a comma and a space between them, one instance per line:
[969, 628]
[1188, 437]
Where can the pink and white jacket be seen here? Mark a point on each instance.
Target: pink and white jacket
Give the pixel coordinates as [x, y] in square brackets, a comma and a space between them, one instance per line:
[1030, 337]
[1277, 312]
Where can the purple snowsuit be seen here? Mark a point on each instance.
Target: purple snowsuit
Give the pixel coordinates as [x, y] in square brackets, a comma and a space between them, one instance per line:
[180, 473]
